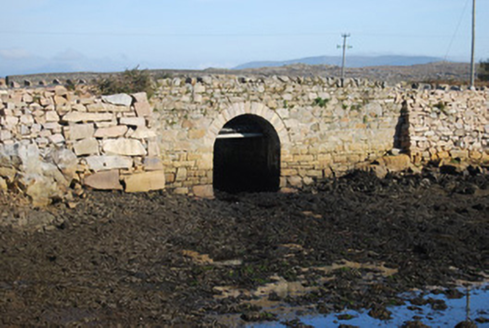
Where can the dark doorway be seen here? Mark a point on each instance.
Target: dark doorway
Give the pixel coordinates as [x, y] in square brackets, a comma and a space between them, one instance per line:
[247, 156]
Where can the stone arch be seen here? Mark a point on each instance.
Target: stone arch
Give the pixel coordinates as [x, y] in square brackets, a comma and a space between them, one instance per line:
[243, 108]
[247, 164]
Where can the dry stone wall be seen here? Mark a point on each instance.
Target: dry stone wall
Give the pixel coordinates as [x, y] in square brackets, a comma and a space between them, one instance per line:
[446, 124]
[52, 138]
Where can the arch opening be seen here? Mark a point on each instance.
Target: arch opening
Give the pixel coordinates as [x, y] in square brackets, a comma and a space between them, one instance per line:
[247, 156]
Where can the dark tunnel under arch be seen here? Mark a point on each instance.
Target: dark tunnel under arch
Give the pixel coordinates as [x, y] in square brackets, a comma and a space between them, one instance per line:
[247, 156]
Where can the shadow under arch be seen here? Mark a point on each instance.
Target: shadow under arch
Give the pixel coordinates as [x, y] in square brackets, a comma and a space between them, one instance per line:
[247, 156]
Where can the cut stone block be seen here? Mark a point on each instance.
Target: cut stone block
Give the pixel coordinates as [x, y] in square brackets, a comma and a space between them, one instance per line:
[107, 180]
[125, 147]
[81, 131]
[144, 182]
[87, 117]
[111, 132]
[100, 163]
[118, 99]
[141, 104]
[86, 147]
[152, 164]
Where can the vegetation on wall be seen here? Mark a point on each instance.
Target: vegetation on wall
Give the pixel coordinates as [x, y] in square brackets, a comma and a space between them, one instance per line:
[129, 81]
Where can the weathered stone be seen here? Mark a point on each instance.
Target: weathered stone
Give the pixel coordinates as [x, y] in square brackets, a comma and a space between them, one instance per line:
[8, 173]
[205, 191]
[106, 180]
[141, 132]
[66, 161]
[52, 116]
[141, 104]
[86, 147]
[3, 185]
[126, 147]
[118, 99]
[181, 174]
[81, 131]
[5, 135]
[75, 117]
[111, 132]
[143, 182]
[41, 190]
[152, 164]
[397, 163]
[56, 138]
[100, 163]
[133, 121]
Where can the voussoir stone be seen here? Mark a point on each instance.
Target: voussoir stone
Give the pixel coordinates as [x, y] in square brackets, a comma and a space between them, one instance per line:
[126, 147]
[100, 163]
[144, 182]
[106, 180]
[118, 99]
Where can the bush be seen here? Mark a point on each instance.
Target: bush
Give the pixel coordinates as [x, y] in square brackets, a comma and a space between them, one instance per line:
[483, 71]
[129, 81]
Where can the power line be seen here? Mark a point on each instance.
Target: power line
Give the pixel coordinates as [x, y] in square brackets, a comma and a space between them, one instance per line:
[456, 30]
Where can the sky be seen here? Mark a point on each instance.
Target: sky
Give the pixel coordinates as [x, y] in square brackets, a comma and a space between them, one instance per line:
[112, 35]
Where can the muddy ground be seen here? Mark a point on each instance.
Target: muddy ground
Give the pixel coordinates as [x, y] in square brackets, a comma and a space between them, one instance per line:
[162, 259]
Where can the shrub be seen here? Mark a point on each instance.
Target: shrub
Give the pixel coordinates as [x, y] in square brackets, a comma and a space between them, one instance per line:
[129, 81]
[483, 71]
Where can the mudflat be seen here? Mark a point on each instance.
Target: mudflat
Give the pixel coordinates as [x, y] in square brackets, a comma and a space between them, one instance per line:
[161, 259]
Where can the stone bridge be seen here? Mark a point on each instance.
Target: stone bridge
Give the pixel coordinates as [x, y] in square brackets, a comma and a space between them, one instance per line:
[197, 134]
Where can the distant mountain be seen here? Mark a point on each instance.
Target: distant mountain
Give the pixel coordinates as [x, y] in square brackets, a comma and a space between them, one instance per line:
[351, 61]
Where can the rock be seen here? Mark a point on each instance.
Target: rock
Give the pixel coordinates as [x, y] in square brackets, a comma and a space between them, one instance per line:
[142, 132]
[143, 182]
[295, 181]
[75, 117]
[100, 163]
[106, 180]
[396, 163]
[3, 185]
[141, 104]
[80, 131]
[125, 147]
[152, 164]
[111, 132]
[118, 99]
[66, 161]
[86, 147]
[8, 173]
[133, 121]
[41, 190]
[205, 191]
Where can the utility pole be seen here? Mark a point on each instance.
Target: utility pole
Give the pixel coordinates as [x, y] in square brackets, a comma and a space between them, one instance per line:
[344, 36]
[472, 61]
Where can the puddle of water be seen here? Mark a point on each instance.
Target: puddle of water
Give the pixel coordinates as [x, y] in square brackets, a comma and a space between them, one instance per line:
[455, 312]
